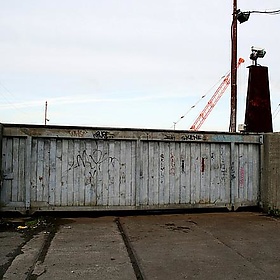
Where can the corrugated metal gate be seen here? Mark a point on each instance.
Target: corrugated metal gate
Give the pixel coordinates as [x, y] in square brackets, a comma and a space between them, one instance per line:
[62, 168]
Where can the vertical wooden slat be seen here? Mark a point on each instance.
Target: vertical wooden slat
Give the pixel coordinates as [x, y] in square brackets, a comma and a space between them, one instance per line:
[215, 173]
[111, 173]
[139, 175]
[134, 174]
[188, 171]
[129, 173]
[154, 176]
[182, 170]
[33, 170]
[9, 169]
[70, 173]
[254, 169]
[21, 169]
[103, 175]
[82, 151]
[241, 188]
[161, 173]
[172, 164]
[177, 186]
[15, 160]
[58, 172]
[144, 191]
[64, 169]
[116, 165]
[5, 183]
[40, 169]
[28, 156]
[195, 173]
[76, 173]
[167, 173]
[89, 173]
[249, 181]
[233, 174]
[46, 170]
[100, 157]
[205, 173]
[122, 174]
[52, 182]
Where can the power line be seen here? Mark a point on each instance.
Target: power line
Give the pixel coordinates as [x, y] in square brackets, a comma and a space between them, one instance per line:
[276, 112]
[13, 97]
[274, 12]
[198, 101]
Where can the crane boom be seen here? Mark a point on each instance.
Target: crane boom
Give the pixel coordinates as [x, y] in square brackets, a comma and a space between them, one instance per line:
[213, 100]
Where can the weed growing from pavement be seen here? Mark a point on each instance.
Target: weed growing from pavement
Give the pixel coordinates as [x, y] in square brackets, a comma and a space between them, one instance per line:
[274, 212]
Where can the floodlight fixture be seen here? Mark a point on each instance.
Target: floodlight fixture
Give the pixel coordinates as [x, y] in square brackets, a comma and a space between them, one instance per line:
[257, 53]
[242, 16]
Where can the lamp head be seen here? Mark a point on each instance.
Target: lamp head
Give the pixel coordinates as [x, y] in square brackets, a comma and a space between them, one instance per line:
[257, 53]
[242, 16]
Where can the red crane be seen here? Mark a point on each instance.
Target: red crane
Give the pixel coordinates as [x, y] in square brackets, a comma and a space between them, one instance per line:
[214, 100]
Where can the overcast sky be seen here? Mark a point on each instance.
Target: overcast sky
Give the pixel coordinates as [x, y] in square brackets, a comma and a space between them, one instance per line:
[128, 63]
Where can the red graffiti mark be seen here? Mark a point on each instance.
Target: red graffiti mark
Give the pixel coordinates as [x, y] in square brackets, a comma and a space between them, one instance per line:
[241, 178]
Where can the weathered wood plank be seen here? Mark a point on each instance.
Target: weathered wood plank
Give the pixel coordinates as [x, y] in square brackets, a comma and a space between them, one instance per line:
[172, 164]
[111, 173]
[33, 170]
[116, 165]
[195, 173]
[21, 169]
[123, 169]
[134, 174]
[128, 172]
[70, 173]
[177, 186]
[40, 170]
[15, 160]
[52, 181]
[58, 168]
[76, 173]
[46, 171]
[161, 173]
[7, 171]
[215, 173]
[205, 174]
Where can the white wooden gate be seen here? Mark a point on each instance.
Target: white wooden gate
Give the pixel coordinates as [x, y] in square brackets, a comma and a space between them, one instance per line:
[75, 168]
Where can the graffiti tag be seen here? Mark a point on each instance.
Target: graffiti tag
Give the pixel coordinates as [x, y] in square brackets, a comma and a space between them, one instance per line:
[192, 137]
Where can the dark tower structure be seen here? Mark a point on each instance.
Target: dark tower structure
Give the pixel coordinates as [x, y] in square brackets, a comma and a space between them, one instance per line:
[258, 109]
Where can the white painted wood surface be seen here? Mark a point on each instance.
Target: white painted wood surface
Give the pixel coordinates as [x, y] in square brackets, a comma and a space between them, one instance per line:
[130, 171]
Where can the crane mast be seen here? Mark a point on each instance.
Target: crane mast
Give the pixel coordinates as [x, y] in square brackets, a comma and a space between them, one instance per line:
[213, 100]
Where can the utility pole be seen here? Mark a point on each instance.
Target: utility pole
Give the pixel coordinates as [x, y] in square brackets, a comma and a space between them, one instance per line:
[46, 112]
[233, 103]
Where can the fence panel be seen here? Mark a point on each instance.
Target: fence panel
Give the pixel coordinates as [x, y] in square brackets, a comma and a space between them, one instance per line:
[54, 168]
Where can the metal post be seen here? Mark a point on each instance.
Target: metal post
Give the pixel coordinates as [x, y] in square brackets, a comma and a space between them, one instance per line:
[233, 104]
[46, 112]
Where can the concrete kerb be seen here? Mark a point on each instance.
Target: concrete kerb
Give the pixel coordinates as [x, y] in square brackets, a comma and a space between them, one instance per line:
[23, 265]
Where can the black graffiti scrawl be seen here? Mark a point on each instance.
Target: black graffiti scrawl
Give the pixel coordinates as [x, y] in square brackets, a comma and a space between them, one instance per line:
[92, 161]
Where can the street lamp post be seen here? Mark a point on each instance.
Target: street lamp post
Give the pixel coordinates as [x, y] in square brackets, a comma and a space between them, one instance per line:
[237, 15]
[233, 103]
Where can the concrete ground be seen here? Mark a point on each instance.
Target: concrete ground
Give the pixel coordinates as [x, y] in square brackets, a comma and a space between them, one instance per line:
[235, 245]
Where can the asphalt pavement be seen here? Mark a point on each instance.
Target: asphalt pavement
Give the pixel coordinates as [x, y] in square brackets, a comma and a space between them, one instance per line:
[233, 245]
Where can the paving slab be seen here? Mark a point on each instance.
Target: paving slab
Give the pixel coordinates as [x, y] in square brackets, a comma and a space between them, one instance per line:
[179, 246]
[206, 246]
[87, 248]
